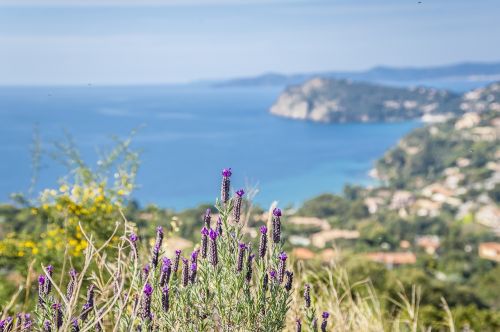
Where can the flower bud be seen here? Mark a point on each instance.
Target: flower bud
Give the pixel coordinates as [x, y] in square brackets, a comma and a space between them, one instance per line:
[185, 272]
[307, 295]
[238, 199]
[212, 254]
[325, 316]
[204, 242]
[281, 267]
[165, 303]
[276, 225]
[241, 255]
[176, 261]
[263, 241]
[226, 183]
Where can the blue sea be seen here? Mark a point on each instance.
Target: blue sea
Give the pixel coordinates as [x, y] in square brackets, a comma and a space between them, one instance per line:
[187, 134]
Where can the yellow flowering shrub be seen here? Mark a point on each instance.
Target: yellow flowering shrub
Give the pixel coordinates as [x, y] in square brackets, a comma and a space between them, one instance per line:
[85, 199]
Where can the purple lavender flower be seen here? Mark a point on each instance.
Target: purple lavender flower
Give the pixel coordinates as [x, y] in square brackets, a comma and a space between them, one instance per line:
[298, 325]
[273, 274]
[48, 283]
[219, 226]
[192, 274]
[281, 267]
[157, 247]
[133, 238]
[2, 325]
[27, 322]
[89, 304]
[263, 241]
[241, 255]
[155, 254]
[265, 282]
[226, 183]
[315, 324]
[165, 299]
[71, 284]
[47, 327]
[212, 255]
[41, 289]
[8, 323]
[238, 199]
[145, 272]
[185, 272]
[248, 276]
[166, 270]
[74, 325]
[58, 315]
[146, 302]
[276, 225]
[159, 236]
[307, 295]
[204, 242]
[177, 259]
[19, 321]
[325, 316]
[194, 256]
[289, 280]
[207, 218]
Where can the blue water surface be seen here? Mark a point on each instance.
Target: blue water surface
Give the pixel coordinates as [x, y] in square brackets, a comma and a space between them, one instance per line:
[188, 134]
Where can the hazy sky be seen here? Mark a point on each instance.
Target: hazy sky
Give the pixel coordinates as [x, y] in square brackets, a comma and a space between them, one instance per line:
[162, 41]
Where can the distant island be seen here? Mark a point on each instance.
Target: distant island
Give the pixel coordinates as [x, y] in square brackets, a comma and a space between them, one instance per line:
[333, 100]
[468, 71]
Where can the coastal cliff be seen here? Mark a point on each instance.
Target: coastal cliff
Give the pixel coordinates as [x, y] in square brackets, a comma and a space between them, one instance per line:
[331, 100]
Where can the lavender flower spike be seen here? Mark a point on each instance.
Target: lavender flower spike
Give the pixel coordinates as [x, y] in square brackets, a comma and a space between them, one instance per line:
[307, 295]
[134, 238]
[145, 272]
[74, 325]
[207, 218]
[71, 284]
[185, 272]
[265, 282]
[325, 316]
[276, 225]
[226, 183]
[212, 254]
[159, 236]
[263, 241]
[289, 280]
[87, 307]
[248, 276]
[219, 226]
[177, 259]
[298, 326]
[281, 268]
[165, 303]
[47, 327]
[238, 199]
[241, 255]
[41, 289]
[204, 242]
[192, 274]
[146, 302]
[48, 283]
[58, 315]
[155, 256]
[166, 270]
[194, 256]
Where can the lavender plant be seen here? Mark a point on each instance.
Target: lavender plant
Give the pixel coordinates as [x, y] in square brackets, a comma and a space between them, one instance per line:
[222, 286]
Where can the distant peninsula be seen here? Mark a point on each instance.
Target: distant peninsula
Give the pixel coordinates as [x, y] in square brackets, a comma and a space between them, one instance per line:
[333, 100]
